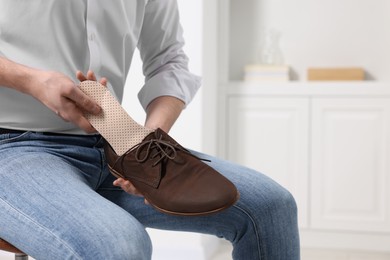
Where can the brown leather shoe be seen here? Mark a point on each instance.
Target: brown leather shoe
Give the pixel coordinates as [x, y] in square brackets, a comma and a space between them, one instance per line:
[172, 179]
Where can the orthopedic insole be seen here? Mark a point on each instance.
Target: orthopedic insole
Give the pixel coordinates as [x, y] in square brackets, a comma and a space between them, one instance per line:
[113, 123]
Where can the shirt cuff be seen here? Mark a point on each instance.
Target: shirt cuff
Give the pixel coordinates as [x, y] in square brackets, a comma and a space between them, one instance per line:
[178, 83]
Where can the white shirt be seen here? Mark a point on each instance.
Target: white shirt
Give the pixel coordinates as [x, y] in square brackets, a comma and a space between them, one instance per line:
[101, 35]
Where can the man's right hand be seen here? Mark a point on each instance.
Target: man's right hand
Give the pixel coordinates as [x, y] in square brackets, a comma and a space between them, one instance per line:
[55, 90]
[60, 94]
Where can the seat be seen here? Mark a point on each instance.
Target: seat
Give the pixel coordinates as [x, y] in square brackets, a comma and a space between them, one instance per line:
[5, 246]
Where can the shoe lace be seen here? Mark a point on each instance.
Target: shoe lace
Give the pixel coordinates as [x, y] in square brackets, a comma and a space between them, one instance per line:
[164, 149]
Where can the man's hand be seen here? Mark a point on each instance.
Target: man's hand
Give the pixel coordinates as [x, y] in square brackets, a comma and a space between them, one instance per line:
[128, 187]
[55, 90]
[60, 94]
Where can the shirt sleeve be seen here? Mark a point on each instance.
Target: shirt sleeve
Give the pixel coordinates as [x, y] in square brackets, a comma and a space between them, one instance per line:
[165, 65]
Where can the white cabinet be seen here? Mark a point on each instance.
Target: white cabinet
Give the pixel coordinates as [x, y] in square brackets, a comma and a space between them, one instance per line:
[326, 142]
[270, 135]
[329, 146]
[350, 164]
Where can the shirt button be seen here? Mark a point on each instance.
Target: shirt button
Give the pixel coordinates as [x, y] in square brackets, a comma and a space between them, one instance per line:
[92, 37]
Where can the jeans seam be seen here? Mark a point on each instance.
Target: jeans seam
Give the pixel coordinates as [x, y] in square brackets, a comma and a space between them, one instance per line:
[8, 139]
[102, 163]
[259, 245]
[29, 219]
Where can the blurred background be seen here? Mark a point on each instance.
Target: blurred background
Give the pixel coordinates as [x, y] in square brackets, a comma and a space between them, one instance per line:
[309, 81]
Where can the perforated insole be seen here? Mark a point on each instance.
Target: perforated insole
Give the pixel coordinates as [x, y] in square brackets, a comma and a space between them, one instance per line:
[114, 124]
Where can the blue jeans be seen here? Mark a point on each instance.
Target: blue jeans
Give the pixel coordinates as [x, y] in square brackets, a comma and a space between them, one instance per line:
[57, 201]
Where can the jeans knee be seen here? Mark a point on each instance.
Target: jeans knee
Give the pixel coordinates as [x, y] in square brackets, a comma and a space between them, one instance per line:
[138, 247]
[288, 200]
[130, 245]
[284, 202]
[118, 243]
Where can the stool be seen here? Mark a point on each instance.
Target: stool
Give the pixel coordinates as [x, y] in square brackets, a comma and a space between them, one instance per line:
[19, 255]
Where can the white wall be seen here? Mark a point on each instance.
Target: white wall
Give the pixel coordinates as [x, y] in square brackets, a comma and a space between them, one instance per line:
[315, 33]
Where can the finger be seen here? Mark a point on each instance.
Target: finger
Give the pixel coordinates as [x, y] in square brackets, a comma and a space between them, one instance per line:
[91, 75]
[74, 114]
[84, 124]
[83, 101]
[103, 81]
[118, 182]
[80, 76]
[129, 188]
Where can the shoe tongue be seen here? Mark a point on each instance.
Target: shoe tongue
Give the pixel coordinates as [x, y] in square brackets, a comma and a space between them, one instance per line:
[158, 132]
[152, 135]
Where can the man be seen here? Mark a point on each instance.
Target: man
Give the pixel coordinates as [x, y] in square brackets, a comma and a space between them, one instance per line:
[57, 197]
